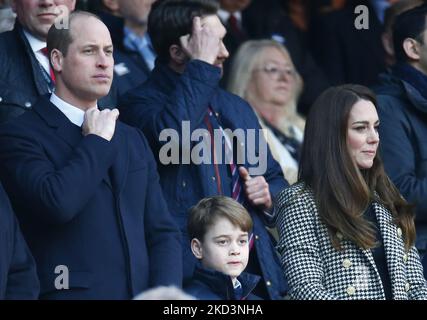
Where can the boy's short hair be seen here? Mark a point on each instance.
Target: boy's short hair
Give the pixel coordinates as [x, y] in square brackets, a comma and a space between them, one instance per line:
[205, 214]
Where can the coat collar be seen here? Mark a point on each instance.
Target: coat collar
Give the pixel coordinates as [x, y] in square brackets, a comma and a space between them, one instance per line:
[55, 119]
[222, 285]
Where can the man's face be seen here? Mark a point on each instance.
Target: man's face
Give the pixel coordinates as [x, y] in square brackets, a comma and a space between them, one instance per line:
[136, 10]
[234, 5]
[37, 16]
[86, 72]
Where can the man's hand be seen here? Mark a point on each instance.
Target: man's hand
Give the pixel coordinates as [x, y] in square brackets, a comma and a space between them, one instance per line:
[102, 123]
[256, 190]
[203, 43]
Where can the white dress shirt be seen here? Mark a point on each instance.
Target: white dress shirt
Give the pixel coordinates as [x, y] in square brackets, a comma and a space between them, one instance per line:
[36, 46]
[74, 114]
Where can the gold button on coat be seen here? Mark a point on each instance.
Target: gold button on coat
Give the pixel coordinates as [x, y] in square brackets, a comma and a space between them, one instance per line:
[405, 258]
[346, 263]
[399, 232]
[407, 286]
[351, 290]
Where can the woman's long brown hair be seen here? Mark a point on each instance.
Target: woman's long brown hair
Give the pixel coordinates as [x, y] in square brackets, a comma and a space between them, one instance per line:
[342, 191]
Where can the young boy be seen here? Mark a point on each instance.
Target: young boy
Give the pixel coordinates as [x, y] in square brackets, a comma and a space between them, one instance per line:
[219, 228]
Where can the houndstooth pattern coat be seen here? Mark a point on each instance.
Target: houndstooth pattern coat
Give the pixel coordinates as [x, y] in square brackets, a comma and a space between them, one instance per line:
[316, 270]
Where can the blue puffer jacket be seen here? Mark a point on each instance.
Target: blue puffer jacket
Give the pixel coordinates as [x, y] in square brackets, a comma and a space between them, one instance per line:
[163, 102]
[209, 284]
[403, 142]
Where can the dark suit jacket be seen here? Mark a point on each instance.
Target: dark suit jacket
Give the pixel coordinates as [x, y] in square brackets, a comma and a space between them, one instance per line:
[89, 204]
[18, 276]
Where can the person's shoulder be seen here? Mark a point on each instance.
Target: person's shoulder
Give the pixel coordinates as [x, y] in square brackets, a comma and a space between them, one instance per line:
[235, 103]
[296, 194]
[27, 122]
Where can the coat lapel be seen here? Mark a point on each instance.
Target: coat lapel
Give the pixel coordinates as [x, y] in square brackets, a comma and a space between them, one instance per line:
[393, 244]
[55, 119]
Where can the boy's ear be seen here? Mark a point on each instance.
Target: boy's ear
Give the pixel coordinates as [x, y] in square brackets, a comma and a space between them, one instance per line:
[196, 248]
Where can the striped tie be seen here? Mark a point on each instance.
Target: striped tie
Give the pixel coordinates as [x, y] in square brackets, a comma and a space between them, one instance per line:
[234, 169]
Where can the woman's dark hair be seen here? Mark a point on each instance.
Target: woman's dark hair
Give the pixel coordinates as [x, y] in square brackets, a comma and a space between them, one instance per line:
[170, 19]
[342, 191]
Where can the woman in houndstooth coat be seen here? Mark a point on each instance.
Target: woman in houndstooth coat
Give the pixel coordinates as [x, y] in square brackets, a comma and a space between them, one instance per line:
[345, 231]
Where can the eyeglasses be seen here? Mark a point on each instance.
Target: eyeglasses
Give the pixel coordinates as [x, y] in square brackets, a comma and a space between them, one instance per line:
[275, 72]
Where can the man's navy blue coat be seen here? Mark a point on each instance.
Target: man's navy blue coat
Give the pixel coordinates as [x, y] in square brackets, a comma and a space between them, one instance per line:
[18, 276]
[91, 205]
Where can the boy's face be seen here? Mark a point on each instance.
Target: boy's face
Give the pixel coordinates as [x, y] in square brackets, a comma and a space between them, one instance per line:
[225, 248]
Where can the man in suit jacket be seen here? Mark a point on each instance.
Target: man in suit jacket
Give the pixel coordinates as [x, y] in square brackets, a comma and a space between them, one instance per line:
[84, 187]
[183, 89]
[25, 72]
[18, 276]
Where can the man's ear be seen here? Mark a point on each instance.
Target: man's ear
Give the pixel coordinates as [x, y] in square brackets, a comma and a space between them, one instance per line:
[56, 60]
[196, 248]
[412, 48]
[177, 55]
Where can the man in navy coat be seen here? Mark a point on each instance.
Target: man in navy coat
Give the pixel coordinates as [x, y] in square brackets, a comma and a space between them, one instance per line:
[85, 187]
[181, 98]
[18, 276]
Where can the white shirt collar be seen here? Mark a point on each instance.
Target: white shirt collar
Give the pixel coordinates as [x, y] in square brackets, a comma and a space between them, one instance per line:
[236, 283]
[74, 114]
[35, 43]
[224, 15]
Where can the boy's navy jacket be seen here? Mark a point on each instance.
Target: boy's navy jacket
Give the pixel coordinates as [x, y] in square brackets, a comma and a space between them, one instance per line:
[208, 284]
[169, 101]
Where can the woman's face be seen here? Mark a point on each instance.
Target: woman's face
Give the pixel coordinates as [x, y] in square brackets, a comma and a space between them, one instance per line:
[273, 79]
[362, 133]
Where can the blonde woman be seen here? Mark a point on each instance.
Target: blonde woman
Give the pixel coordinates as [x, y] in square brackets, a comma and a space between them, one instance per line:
[262, 73]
